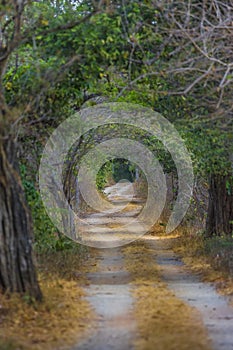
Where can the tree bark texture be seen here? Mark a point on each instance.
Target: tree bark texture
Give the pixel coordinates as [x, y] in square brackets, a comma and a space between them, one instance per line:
[220, 209]
[17, 268]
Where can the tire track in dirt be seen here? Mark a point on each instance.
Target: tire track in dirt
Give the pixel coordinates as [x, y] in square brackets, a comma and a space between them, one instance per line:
[110, 297]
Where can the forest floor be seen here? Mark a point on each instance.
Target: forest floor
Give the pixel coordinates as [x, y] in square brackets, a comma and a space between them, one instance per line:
[138, 296]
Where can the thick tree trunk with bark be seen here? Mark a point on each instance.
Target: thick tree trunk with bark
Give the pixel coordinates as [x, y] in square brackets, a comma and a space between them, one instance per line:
[17, 269]
[220, 209]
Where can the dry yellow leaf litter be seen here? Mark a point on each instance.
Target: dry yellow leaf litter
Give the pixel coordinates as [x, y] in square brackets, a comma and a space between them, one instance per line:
[60, 321]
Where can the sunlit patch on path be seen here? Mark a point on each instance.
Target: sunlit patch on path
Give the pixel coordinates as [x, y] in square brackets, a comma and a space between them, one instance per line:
[108, 229]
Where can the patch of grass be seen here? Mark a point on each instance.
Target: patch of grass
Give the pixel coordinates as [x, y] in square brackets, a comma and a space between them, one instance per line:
[210, 257]
[65, 263]
[9, 345]
[220, 249]
[137, 257]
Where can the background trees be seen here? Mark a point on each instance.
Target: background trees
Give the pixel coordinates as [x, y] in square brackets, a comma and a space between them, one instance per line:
[179, 61]
[201, 37]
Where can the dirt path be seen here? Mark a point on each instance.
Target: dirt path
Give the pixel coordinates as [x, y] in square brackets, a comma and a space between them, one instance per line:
[143, 296]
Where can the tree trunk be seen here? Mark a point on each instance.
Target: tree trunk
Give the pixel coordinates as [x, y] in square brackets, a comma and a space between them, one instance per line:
[17, 269]
[220, 210]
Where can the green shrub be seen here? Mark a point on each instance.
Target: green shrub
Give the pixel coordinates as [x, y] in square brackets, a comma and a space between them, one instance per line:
[47, 237]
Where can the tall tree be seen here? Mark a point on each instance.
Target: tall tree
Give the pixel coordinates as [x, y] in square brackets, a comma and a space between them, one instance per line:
[17, 269]
[20, 22]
